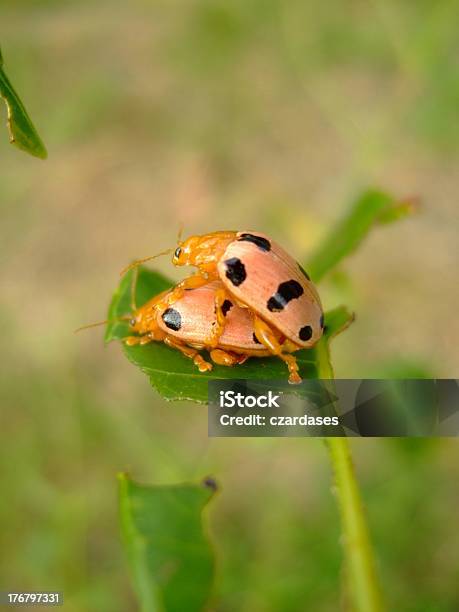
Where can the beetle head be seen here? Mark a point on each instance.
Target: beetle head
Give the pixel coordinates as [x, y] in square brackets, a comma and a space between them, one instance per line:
[186, 252]
[202, 250]
[135, 321]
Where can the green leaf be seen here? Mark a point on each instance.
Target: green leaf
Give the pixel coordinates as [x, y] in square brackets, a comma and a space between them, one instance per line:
[168, 551]
[371, 208]
[22, 131]
[176, 377]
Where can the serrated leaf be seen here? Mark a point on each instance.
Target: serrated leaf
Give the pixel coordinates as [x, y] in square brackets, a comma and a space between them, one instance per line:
[176, 377]
[371, 208]
[169, 554]
[22, 131]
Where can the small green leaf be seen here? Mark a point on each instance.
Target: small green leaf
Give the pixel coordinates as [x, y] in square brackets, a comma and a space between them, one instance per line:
[168, 551]
[22, 131]
[175, 376]
[371, 208]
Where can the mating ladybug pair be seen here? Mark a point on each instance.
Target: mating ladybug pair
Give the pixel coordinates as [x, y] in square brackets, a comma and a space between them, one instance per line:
[248, 298]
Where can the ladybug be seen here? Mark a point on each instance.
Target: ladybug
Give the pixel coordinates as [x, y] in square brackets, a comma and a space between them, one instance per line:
[187, 324]
[258, 274]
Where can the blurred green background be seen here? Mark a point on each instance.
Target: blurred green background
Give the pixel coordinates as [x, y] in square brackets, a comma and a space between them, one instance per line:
[250, 115]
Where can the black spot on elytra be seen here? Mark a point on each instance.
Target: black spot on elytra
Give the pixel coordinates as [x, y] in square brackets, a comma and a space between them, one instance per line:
[261, 242]
[255, 339]
[290, 290]
[226, 306]
[172, 319]
[235, 271]
[305, 333]
[304, 272]
[321, 321]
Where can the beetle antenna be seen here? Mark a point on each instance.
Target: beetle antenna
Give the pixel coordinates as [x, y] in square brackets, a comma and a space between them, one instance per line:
[90, 325]
[180, 233]
[138, 262]
[124, 318]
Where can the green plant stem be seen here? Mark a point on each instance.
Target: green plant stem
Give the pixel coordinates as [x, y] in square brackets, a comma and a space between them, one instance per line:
[364, 590]
[360, 564]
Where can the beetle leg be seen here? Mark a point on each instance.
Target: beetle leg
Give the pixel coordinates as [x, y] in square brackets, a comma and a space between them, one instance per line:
[266, 336]
[226, 358]
[191, 353]
[132, 340]
[191, 282]
[220, 318]
[143, 339]
[288, 346]
[146, 339]
[154, 334]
